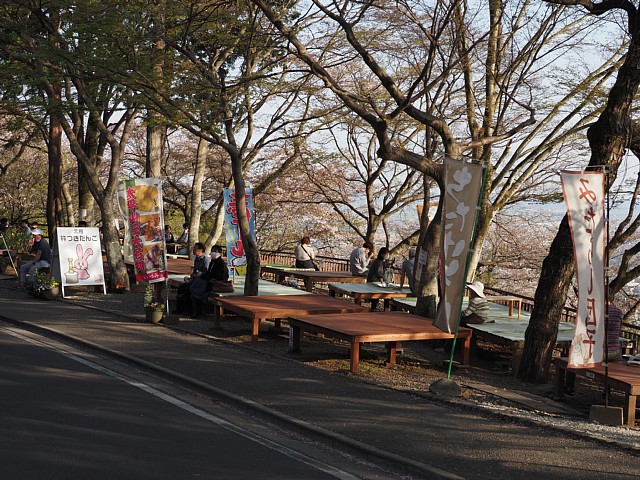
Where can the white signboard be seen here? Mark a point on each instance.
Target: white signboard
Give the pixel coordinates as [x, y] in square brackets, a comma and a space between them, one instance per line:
[80, 256]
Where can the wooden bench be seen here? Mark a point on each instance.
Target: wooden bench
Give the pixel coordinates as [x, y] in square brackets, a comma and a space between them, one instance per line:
[278, 307]
[390, 328]
[621, 377]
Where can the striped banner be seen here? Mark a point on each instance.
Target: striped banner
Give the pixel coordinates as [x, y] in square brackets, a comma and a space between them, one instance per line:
[584, 197]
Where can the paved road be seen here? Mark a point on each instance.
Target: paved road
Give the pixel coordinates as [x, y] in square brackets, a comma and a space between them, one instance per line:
[66, 417]
[452, 439]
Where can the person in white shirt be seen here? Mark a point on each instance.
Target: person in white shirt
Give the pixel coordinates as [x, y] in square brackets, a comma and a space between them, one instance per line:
[305, 254]
[359, 260]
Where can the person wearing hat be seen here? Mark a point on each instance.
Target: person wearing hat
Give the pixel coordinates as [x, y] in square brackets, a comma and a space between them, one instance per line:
[478, 310]
[42, 259]
[359, 260]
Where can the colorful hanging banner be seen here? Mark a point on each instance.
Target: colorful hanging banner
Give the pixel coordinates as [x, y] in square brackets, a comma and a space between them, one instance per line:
[79, 256]
[462, 184]
[584, 197]
[146, 224]
[235, 250]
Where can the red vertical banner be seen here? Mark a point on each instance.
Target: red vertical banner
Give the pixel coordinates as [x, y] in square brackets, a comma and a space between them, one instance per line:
[143, 205]
[462, 184]
[584, 197]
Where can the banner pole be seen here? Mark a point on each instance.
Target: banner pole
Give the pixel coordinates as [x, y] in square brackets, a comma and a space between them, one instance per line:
[606, 293]
[6, 247]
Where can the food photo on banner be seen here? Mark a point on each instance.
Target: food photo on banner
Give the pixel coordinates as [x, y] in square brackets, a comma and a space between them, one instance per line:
[143, 207]
[79, 256]
[236, 257]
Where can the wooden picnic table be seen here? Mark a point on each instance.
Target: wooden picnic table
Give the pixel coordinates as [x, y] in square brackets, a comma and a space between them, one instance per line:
[621, 377]
[510, 300]
[182, 266]
[278, 307]
[389, 327]
[281, 270]
[510, 332]
[369, 291]
[495, 307]
[312, 277]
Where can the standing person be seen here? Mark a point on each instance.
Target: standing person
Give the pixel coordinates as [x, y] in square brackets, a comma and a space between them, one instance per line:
[359, 260]
[26, 229]
[200, 266]
[183, 239]
[168, 234]
[42, 258]
[407, 269]
[376, 272]
[613, 331]
[478, 310]
[305, 254]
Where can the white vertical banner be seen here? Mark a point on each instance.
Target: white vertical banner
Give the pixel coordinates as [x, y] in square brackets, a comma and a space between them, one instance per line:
[462, 184]
[584, 197]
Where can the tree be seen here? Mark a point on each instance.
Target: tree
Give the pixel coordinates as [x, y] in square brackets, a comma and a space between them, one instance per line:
[466, 83]
[608, 138]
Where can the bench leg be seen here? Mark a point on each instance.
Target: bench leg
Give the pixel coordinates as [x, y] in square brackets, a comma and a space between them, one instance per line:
[308, 285]
[255, 328]
[560, 379]
[630, 410]
[516, 357]
[466, 348]
[217, 314]
[294, 341]
[355, 357]
[392, 351]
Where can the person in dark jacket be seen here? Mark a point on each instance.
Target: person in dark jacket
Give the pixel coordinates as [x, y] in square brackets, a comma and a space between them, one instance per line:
[200, 267]
[376, 272]
[215, 279]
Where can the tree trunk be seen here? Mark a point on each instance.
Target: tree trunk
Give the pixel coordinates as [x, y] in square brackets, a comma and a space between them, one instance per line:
[196, 192]
[427, 284]
[111, 242]
[155, 139]
[55, 213]
[608, 139]
[248, 243]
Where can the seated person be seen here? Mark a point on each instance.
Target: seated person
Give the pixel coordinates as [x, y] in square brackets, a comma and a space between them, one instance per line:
[376, 272]
[216, 279]
[42, 252]
[478, 310]
[305, 254]
[359, 260]
[200, 266]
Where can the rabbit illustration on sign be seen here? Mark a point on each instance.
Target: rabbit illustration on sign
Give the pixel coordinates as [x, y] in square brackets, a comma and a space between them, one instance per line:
[80, 264]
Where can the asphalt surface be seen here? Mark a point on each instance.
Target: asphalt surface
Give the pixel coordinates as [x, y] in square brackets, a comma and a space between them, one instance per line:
[429, 439]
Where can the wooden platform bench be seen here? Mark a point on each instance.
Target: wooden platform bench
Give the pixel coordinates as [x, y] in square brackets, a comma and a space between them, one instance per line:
[621, 377]
[278, 307]
[391, 328]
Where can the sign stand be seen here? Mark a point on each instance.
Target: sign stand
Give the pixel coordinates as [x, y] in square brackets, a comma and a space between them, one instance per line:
[77, 257]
